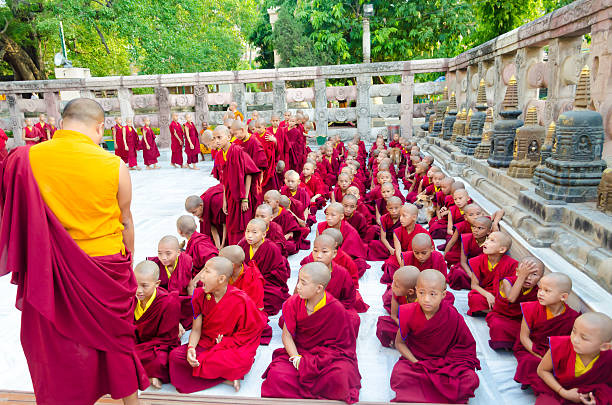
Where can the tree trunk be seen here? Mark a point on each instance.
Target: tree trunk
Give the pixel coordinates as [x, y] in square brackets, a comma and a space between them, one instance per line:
[20, 61]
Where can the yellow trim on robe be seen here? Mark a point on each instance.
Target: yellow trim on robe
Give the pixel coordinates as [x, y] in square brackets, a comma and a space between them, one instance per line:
[461, 211]
[168, 272]
[501, 291]
[280, 209]
[549, 315]
[490, 266]
[224, 153]
[139, 311]
[293, 192]
[436, 189]
[581, 368]
[251, 253]
[321, 303]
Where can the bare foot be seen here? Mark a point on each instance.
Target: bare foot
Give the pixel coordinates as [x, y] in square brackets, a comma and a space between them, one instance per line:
[149, 167]
[138, 168]
[155, 383]
[195, 167]
[157, 166]
[235, 384]
[174, 165]
[184, 166]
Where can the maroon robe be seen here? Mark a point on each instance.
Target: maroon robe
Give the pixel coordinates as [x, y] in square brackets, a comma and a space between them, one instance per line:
[271, 150]
[386, 328]
[150, 155]
[282, 142]
[327, 343]
[231, 171]
[255, 150]
[276, 235]
[175, 146]
[540, 330]
[453, 256]
[131, 136]
[303, 197]
[275, 270]
[598, 380]
[316, 186]
[157, 334]
[446, 353]
[32, 133]
[3, 139]
[504, 320]
[119, 144]
[435, 261]
[376, 249]
[201, 248]
[457, 278]
[85, 338]
[43, 130]
[438, 226]
[212, 211]
[405, 239]
[191, 133]
[178, 281]
[352, 244]
[289, 224]
[489, 280]
[235, 317]
[252, 282]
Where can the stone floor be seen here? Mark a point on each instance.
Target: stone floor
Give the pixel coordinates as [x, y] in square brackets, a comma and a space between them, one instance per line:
[158, 200]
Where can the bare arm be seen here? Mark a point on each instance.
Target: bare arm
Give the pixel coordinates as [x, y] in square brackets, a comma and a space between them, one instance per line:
[215, 235]
[125, 139]
[526, 340]
[194, 339]
[449, 227]
[401, 347]
[464, 264]
[496, 218]
[398, 250]
[144, 136]
[124, 199]
[288, 342]
[545, 372]
[394, 310]
[452, 242]
[476, 286]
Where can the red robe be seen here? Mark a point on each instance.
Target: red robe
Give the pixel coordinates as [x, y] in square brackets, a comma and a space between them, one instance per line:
[352, 244]
[540, 330]
[231, 171]
[175, 145]
[435, 261]
[235, 317]
[276, 235]
[150, 155]
[438, 226]
[131, 136]
[178, 281]
[32, 133]
[405, 239]
[3, 139]
[252, 282]
[201, 248]
[457, 278]
[504, 320]
[85, 337]
[316, 186]
[275, 270]
[447, 358]
[326, 341]
[212, 210]
[42, 130]
[453, 256]
[157, 334]
[289, 224]
[302, 195]
[282, 142]
[271, 150]
[489, 280]
[376, 249]
[296, 157]
[191, 133]
[119, 144]
[598, 380]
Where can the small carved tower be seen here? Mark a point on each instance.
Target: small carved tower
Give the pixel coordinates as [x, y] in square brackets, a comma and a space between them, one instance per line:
[449, 120]
[471, 141]
[527, 145]
[504, 130]
[484, 147]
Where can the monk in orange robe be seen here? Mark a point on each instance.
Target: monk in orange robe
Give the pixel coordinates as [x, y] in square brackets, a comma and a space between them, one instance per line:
[74, 198]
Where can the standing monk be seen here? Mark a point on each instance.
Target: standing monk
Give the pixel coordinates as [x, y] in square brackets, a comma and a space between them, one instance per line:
[150, 153]
[192, 143]
[3, 139]
[43, 128]
[76, 289]
[133, 143]
[30, 134]
[177, 136]
[52, 127]
[119, 138]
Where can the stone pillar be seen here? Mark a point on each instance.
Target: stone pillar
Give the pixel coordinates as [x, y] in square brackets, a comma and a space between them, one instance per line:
[407, 91]
[563, 74]
[238, 95]
[52, 106]
[201, 106]
[163, 102]
[279, 103]
[125, 106]
[364, 121]
[17, 119]
[366, 40]
[320, 106]
[273, 14]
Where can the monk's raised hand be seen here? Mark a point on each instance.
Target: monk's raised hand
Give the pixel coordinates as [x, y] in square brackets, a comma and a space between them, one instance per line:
[219, 339]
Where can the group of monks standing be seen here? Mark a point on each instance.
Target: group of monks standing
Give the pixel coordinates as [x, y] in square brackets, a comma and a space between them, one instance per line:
[232, 273]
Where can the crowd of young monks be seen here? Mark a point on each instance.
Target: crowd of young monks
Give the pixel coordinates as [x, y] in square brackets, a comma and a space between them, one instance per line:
[388, 204]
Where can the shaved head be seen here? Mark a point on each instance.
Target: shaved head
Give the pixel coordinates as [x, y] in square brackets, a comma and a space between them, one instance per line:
[259, 223]
[407, 276]
[447, 181]
[186, 224]
[457, 185]
[292, 174]
[192, 202]
[273, 194]
[325, 240]
[394, 200]
[237, 124]
[350, 198]
[147, 269]
[336, 207]
[264, 209]
[432, 277]
[170, 241]
[504, 239]
[459, 192]
[284, 201]
[233, 253]
[411, 209]
[538, 263]
[599, 321]
[334, 233]
[221, 266]
[318, 273]
[485, 222]
[84, 110]
[421, 241]
[387, 186]
[561, 280]
[472, 207]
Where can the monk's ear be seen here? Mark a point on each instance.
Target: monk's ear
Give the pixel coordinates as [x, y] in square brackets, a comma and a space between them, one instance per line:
[443, 294]
[157, 283]
[564, 296]
[605, 346]
[503, 250]
[411, 291]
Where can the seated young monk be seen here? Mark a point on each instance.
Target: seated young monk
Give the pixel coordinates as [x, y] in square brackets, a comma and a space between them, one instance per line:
[364, 210]
[248, 278]
[239, 175]
[549, 316]
[438, 351]
[175, 274]
[504, 320]
[274, 231]
[403, 291]
[273, 266]
[383, 249]
[460, 275]
[576, 368]
[488, 269]
[356, 218]
[421, 255]
[402, 238]
[438, 225]
[156, 317]
[294, 234]
[452, 250]
[318, 189]
[318, 359]
[353, 245]
[199, 246]
[226, 332]
[387, 190]
[344, 182]
[208, 208]
[293, 190]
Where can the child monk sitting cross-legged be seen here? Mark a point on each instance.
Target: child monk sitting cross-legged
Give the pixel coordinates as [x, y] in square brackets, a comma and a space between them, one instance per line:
[576, 368]
[460, 275]
[438, 351]
[274, 231]
[318, 359]
[156, 317]
[199, 246]
[546, 317]
[225, 335]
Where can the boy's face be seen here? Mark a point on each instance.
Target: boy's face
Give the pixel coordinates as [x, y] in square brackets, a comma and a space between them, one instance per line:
[344, 182]
[399, 289]
[349, 207]
[406, 218]
[385, 177]
[197, 212]
[437, 179]
[323, 253]
[272, 202]
[461, 199]
[261, 214]
[287, 115]
[387, 192]
[146, 286]
[479, 231]
[429, 296]
[275, 121]
[253, 234]
[332, 217]
[292, 182]
[532, 279]
[210, 278]
[549, 293]
[422, 253]
[167, 254]
[394, 209]
[586, 338]
[492, 245]
[445, 187]
[472, 214]
[220, 139]
[306, 288]
[260, 128]
[308, 170]
[238, 133]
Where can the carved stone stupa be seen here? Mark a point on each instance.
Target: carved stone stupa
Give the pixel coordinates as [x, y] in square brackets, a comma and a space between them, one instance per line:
[574, 169]
[429, 110]
[459, 126]
[504, 130]
[484, 147]
[545, 152]
[527, 145]
[449, 119]
[471, 141]
[466, 129]
[440, 110]
[604, 192]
